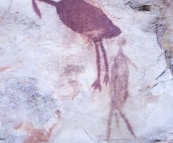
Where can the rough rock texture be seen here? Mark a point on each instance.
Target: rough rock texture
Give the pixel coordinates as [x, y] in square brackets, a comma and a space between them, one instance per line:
[47, 71]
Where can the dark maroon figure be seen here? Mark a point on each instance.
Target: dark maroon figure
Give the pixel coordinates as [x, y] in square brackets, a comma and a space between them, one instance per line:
[86, 19]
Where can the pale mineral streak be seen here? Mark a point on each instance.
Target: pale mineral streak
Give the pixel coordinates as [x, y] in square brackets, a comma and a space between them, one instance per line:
[46, 73]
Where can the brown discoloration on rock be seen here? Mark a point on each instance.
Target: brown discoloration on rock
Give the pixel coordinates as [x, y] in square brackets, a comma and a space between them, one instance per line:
[151, 99]
[166, 2]
[90, 21]
[119, 88]
[86, 40]
[40, 135]
[2, 69]
[73, 87]
[36, 135]
[26, 127]
[76, 88]
[58, 113]
[69, 69]
[17, 126]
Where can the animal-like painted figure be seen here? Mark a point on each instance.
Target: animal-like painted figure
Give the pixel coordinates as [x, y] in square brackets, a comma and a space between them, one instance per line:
[90, 21]
[119, 88]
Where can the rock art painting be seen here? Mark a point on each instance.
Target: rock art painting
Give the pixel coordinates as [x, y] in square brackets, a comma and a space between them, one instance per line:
[119, 89]
[87, 20]
[38, 136]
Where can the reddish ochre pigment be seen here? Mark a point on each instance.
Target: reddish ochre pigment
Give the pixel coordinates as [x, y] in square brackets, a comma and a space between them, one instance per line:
[90, 21]
[119, 88]
[39, 136]
[4, 68]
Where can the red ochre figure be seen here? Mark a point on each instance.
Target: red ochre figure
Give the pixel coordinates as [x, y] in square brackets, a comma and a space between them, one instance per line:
[90, 21]
[119, 89]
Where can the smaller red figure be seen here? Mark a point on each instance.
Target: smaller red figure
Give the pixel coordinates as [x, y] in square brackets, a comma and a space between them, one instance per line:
[119, 88]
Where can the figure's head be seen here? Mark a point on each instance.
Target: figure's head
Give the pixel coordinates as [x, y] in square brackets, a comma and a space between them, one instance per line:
[121, 41]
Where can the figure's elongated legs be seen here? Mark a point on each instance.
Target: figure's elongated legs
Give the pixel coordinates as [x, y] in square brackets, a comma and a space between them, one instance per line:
[109, 124]
[96, 84]
[106, 77]
[127, 124]
[117, 119]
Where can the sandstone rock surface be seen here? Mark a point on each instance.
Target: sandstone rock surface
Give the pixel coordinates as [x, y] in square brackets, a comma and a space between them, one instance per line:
[47, 69]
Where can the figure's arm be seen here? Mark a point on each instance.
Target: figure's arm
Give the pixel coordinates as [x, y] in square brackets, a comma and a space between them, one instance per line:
[130, 62]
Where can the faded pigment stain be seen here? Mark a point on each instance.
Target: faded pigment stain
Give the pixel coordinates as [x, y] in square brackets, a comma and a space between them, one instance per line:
[2, 69]
[119, 89]
[87, 20]
[39, 136]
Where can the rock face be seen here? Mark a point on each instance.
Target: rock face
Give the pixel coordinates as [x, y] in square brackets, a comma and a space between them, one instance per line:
[105, 83]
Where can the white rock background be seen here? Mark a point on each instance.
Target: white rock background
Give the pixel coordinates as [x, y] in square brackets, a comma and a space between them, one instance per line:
[46, 73]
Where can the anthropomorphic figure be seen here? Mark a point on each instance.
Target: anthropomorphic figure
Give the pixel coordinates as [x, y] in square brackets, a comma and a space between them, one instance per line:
[119, 88]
